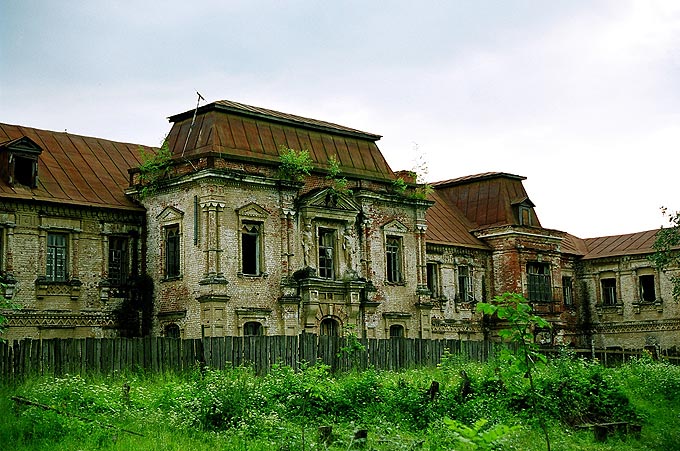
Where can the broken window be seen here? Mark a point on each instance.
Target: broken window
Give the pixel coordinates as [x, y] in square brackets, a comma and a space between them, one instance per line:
[251, 249]
[252, 328]
[567, 292]
[465, 290]
[172, 251]
[326, 253]
[329, 327]
[538, 282]
[393, 254]
[647, 288]
[396, 331]
[55, 270]
[118, 260]
[608, 291]
[172, 331]
[433, 279]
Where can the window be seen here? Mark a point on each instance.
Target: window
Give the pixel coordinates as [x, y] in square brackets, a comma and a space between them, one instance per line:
[567, 292]
[647, 289]
[25, 170]
[56, 257]
[251, 249]
[329, 327]
[252, 328]
[172, 331]
[608, 291]
[538, 282]
[326, 247]
[172, 251]
[433, 279]
[465, 290]
[524, 216]
[393, 251]
[118, 260]
[396, 331]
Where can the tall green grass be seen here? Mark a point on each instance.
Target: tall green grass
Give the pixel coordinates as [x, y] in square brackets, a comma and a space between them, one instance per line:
[235, 410]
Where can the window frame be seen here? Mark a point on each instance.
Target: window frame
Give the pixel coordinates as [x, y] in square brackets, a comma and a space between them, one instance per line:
[397, 327]
[248, 329]
[256, 258]
[326, 242]
[121, 276]
[172, 247]
[433, 274]
[466, 290]
[608, 286]
[53, 259]
[394, 260]
[539, 282]
[643, 292]
[568, 291]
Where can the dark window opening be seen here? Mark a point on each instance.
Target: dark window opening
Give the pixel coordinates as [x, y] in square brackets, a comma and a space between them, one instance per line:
[647, 288]
[393, 251]
[118, 261]
[55, 270]
[608, 291]
[433, 279]
[538, 282]
[172, 251]
[25, 171]
[172, 331]
[567, 291]
[396, 331]
[250, 249]
[252, 328]
[326, 248]
[329, 327]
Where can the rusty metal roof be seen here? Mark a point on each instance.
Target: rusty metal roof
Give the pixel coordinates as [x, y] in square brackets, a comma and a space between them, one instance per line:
[75, 169]
[247, 133]
[618, 245]
[447, 225]
[487, 199]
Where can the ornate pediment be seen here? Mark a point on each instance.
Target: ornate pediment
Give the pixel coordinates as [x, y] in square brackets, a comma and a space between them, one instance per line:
[395, 226]
[23, 145]
[252, 211]
[329, 203]
[170, 214]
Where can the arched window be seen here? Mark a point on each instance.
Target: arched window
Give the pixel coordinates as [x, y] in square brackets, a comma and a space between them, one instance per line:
[396, 331]
[252, 328]
[172, 331]
[329, 327]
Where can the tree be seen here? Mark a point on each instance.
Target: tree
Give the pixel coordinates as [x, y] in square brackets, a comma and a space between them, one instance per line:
[520, 333]
[667, 248]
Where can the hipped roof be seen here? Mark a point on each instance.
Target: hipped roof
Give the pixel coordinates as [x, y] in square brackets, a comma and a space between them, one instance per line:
[246, 133]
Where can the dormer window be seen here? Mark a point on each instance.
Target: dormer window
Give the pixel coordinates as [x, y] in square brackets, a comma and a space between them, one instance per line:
[524, 209]
[19, 162]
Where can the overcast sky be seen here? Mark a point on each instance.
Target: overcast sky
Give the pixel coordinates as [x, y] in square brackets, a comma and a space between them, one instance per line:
[580, 97]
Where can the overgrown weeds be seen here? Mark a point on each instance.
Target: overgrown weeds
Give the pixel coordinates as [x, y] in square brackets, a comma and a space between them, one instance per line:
[234, 409]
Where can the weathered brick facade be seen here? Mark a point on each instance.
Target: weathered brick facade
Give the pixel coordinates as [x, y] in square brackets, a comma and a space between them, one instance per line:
[224, 244]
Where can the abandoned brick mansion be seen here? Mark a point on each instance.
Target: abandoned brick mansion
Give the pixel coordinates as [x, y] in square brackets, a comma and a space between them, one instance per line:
[221, 241]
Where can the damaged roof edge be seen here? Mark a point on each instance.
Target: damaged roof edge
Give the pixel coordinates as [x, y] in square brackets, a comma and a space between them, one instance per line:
[275, 116]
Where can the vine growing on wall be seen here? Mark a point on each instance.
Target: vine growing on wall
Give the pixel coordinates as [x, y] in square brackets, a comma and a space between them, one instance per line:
[294, 165]
[339, 184]
[666, 248]
[154, 168]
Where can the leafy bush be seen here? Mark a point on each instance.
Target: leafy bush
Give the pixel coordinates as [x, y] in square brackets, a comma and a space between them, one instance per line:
[294, 165]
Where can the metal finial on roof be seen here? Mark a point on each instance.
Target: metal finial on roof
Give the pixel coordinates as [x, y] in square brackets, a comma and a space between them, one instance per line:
[193, 120]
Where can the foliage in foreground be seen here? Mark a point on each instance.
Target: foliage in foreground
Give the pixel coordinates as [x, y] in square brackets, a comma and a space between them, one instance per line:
[234, 409]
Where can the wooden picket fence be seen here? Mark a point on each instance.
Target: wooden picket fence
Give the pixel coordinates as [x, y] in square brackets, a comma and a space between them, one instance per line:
[28, 357]
[106, 356]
